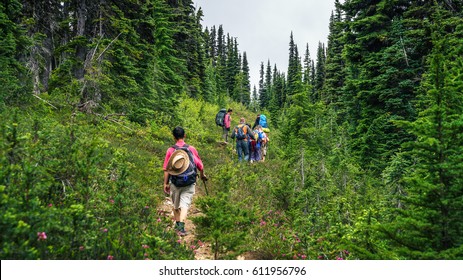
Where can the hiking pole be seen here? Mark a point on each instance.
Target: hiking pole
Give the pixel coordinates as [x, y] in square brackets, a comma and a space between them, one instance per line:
[204, 183]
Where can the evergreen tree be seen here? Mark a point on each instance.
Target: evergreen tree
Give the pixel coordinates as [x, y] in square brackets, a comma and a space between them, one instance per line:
[246, 81]
[307, 72]
[382, 71]
[292, 67]
[12, 43]
[431, 224]
[262, 92]
[334, 66]
[212, 45]
[268, 82]
[320, 72]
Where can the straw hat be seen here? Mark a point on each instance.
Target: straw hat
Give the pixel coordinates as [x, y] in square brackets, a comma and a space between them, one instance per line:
[178, 162]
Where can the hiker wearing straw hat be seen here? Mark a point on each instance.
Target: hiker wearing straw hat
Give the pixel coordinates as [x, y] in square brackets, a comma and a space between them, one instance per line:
[180, 171]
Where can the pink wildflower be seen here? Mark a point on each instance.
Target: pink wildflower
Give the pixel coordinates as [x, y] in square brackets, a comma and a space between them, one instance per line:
[110, 257]
[320, 257]
[179, 241]
[50, 205]
[105, 230]
[81, 248]
[41, 235]
[159, 220]
[192, 247]
[200, 243]
[111, 201]
[303, 257]
[145, 254]
[145, 246]
[263, 223]
[339, 258]
[147, 207]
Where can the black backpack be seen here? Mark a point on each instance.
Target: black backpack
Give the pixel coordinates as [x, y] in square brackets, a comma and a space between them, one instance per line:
[189, 176]
[220, 117]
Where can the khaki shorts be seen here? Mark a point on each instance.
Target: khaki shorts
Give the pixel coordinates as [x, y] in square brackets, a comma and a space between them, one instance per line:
[182, 196]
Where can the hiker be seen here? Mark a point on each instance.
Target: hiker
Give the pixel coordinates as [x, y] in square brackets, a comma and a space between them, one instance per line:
[243, 134]
[265, 141]
[226, 126]
[180, 171]
[256, 123]
[255, 147]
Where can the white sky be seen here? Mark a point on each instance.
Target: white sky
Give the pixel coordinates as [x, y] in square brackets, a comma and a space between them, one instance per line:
[263, 27]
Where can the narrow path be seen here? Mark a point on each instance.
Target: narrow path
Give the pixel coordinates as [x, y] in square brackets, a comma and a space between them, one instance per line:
[202, 249]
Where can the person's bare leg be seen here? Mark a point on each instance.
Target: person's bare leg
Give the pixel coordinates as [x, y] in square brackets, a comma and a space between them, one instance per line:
[182, 215]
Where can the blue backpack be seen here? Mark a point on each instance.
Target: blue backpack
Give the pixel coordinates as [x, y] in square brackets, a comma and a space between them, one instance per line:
[263, 121]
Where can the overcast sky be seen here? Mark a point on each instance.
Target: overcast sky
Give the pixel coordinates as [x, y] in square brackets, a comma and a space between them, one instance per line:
[263, 27]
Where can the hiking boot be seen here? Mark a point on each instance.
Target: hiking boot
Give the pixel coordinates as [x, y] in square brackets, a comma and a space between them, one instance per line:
[180, 228]
[182, 232]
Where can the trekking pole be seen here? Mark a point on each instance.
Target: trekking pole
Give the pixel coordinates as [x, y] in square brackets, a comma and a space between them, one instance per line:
[204, 183]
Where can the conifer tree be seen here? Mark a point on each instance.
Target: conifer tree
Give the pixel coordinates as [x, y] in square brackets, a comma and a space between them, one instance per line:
[246, 80]
[334, 66]
[431, 224]
[268, 82]
[307, 72]
[212, 45]
[320, 72]
[382, 71]
[292, 67]
[262, 91]
[12, 42]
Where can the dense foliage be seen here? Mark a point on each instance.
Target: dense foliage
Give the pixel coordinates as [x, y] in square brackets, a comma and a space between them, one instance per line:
[366, 140]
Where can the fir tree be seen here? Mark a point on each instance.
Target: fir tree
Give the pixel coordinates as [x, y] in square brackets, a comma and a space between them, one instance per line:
[246, 81]
[431, 224]
[334, 66]
[12, 42]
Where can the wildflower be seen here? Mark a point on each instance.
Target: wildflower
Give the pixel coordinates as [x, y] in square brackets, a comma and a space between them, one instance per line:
[145, 254]
[145, 246]
[110, 257]
[339, 258]
[200, 243]
[303, 257]
[192, 247]
[263, 223]
[346, 252]
[320, 257]
[111, 201]
[41, 235]
[147, 207]
[50, 205]
[81, 248]
[179, 241]
[105, 230]
[158, 220]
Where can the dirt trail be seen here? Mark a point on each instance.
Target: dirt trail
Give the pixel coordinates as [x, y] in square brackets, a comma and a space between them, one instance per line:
[202, 249]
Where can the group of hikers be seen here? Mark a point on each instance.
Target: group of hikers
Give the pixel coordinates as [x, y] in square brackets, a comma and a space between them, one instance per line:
[251, 143]
[182, 161]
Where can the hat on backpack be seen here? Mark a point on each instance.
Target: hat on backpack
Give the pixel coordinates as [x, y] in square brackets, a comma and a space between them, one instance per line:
[178, 162]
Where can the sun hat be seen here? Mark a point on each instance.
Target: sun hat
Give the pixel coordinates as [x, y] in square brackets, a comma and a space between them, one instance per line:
[178, 162]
